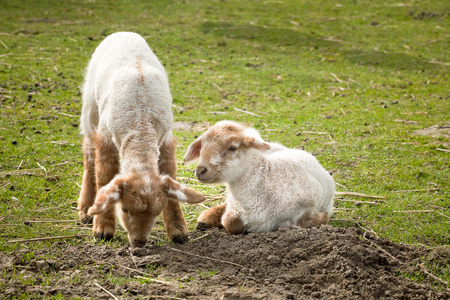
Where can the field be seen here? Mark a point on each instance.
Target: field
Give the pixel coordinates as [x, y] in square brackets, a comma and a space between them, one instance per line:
[363, 85]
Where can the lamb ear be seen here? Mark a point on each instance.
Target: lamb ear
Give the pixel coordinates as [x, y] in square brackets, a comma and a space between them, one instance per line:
[251, 138]
[108, 196]
[180, 192]
[193, 151]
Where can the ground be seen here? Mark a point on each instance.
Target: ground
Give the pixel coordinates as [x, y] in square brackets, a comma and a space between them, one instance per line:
[363, 85]
[324, 263]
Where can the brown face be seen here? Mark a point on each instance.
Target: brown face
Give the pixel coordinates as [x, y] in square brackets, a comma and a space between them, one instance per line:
[220, 150]
[139, 206]
[217, 152]
[138, 199]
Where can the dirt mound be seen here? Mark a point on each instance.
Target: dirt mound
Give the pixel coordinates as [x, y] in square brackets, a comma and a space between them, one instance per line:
[326, 263]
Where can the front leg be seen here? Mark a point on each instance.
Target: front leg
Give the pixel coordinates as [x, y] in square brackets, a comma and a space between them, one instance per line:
[212, 217]
[104, 226]
[172, 215]
[107, 167]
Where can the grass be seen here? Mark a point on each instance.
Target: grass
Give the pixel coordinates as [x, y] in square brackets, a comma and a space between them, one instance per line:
[350, 82]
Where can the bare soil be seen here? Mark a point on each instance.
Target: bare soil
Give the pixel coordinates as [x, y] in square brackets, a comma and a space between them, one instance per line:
[190, 126]
[441, 132]
[323, 263]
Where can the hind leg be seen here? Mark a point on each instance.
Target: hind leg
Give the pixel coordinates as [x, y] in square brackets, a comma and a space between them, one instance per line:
[212, 217]
[313, 219]
[106, 167]
[232, 222]
[172, 215]
[88, 187]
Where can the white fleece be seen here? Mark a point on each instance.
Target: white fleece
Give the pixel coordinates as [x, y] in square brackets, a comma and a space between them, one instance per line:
[126, 98]
[277, 186]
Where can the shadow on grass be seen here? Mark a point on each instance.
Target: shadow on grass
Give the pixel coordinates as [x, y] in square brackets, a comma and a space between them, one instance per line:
[390, 60]
[297, 38]
[272, 35]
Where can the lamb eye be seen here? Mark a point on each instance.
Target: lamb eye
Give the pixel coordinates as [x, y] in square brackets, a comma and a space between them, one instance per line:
[232, 148]
[124, 209]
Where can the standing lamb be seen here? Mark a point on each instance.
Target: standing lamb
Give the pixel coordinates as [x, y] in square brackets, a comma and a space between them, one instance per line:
[269, 186]
[129, 150]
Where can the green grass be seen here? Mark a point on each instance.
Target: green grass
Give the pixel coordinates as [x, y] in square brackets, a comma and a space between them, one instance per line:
[366, 73]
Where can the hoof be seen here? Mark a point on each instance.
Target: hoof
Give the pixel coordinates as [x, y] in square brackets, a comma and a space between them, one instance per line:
[87, 219]
[180, 239]
[103, 236]
[201, 226]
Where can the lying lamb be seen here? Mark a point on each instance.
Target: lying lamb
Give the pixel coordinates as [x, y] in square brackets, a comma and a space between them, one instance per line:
[269, 186]
[129, 150]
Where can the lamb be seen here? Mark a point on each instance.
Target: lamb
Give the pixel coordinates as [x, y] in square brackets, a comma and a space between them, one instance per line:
[129, 149]
[269, 186]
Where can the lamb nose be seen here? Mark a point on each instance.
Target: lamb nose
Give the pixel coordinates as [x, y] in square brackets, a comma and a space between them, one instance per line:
[139, 243]
[200, 171]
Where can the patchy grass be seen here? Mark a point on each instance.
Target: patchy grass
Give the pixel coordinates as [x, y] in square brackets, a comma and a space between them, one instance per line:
[350, 82]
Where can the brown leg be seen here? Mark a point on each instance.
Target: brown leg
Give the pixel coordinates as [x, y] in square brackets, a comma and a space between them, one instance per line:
[172, 215]
[106, 167]
[88, 187]
[211, 217]
[233, 223]
[313, 219]
[106, 161]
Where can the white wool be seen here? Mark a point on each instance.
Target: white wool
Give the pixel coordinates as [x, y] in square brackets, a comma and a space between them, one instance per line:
[272, 188]
[125, 94]
[127, 115]
[276, 187]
